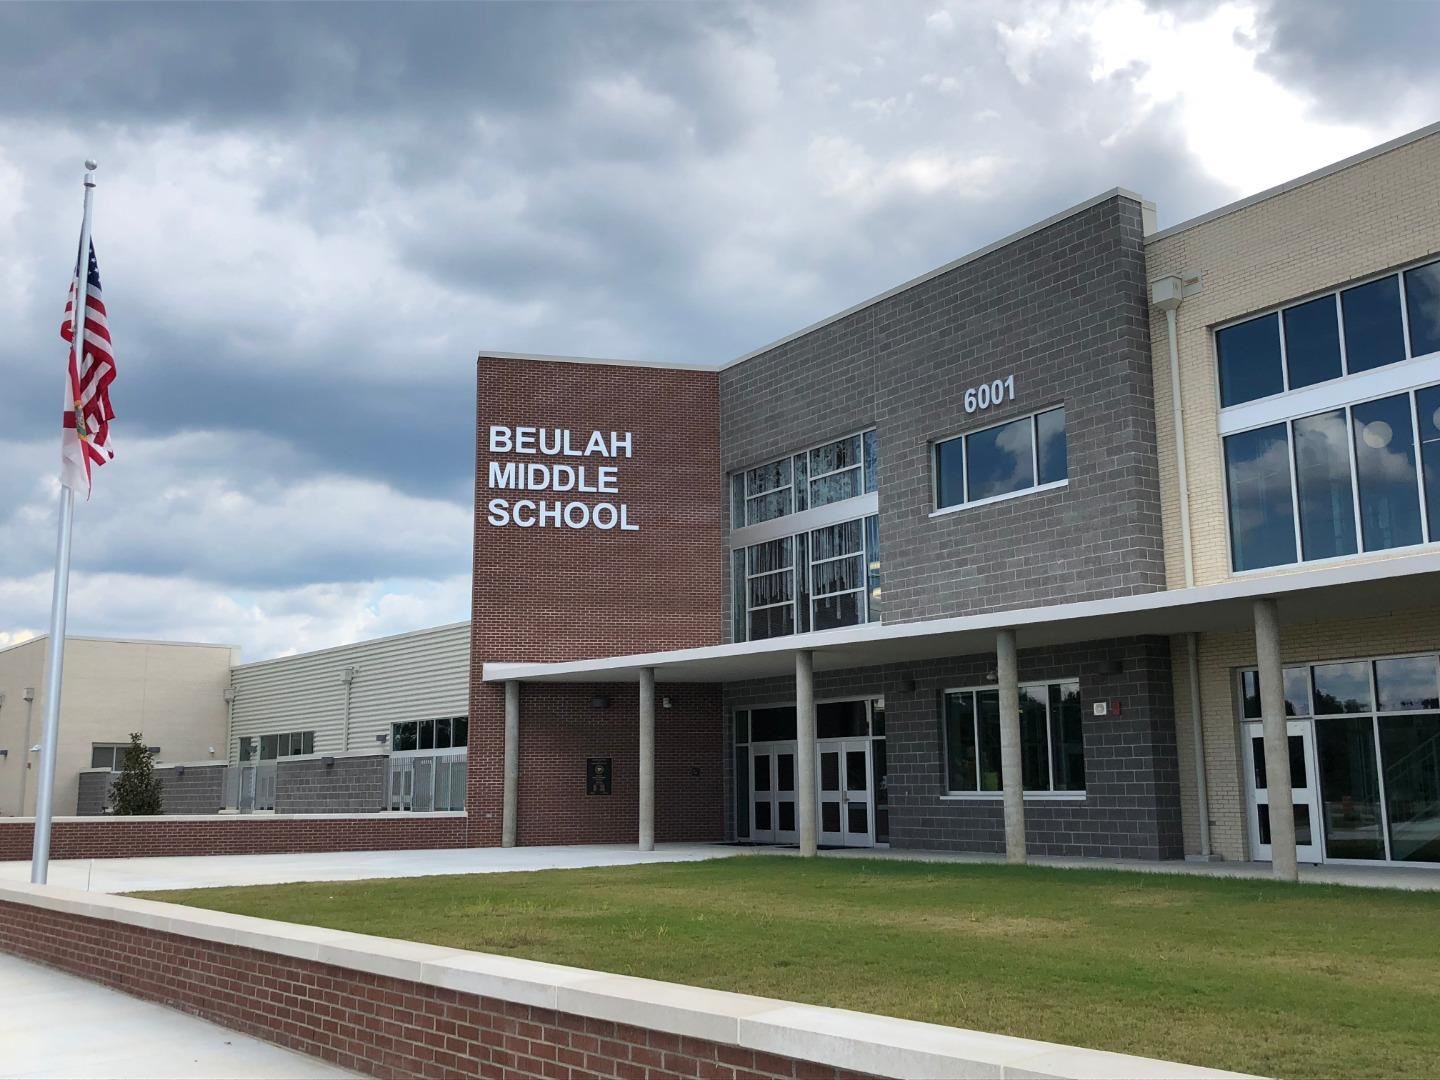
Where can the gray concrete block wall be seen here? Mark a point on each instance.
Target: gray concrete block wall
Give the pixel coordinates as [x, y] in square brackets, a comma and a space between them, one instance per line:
[1062, 310]
[350, 785]
[1131, 807]
[91, 793]
[192, 789]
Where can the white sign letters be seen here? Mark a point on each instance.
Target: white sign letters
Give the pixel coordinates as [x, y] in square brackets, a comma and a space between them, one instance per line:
[589, 478]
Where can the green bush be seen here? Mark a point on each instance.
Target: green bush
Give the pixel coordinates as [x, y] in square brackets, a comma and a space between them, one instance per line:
[137, 789]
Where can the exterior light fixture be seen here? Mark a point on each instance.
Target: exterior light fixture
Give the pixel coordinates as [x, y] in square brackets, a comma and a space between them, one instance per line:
[328, 762]
[382, 737]
[599, 701]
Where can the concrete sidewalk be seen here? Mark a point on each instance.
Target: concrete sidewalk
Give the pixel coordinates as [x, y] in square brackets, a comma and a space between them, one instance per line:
[56, 1025]
[209, 871]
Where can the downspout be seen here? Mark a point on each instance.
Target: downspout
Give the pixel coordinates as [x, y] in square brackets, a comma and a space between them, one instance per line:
[25, 749]
[1166, 295]
[347, 676]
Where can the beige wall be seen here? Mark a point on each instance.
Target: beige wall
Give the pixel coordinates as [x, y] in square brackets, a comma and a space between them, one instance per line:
[1221, 656]
[173, 694]
[1365, 219]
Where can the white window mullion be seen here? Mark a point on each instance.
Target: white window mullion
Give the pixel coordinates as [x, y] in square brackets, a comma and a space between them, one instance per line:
[1292, 456]
[1404, 315]
[1354, 478]
[1418, 445]
[1340, 329]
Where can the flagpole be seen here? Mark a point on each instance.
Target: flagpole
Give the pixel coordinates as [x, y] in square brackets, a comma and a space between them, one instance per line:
[60, 597]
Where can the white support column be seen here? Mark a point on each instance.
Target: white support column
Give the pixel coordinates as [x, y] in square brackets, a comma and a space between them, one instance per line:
[805, 803]
[1277, 740]
[510, 809]
[647, 759]
[1007, 673]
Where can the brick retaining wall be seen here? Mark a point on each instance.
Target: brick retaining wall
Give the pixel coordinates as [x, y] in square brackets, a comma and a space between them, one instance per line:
[249, 834]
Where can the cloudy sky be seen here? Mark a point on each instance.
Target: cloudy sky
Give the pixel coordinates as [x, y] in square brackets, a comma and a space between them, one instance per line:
[311, 218]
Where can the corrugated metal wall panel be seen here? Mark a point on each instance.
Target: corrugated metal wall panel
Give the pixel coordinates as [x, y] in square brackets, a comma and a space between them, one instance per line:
[414, 676]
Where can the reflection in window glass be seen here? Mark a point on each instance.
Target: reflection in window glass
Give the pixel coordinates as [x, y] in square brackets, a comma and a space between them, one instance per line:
[872, 462]
[872, 567]
[949, 473]
[1034, 740]
[1000, 460]
[831, 612]
[960, 742]
[835, 487]
[1412, 786]
[1297, 692]
[1427, 404]
[1050, 446]
[987, 705]
[1322, 477]
[1345, 747]
[739, 589]
[1422, 305]
[737, 500]
[1385, 467]
[1312, 342]
[1249, 357]
[403, 735]
[1342, 688]
[1405, 683]
[1067, 739]
[775, 724]
[1374, 336]
[802, 481]
[1257, 472]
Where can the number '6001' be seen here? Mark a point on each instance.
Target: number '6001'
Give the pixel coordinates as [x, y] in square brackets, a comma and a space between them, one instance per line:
[979, 398]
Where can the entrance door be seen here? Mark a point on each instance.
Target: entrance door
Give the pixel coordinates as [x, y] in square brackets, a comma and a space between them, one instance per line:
[772, 793]
[1305, 791]
[847, 803]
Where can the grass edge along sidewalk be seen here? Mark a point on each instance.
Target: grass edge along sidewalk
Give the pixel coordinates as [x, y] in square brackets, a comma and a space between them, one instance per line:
[1253, 976]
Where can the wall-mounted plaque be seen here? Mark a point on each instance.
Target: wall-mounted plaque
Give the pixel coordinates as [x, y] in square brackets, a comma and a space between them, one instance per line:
[597, 776]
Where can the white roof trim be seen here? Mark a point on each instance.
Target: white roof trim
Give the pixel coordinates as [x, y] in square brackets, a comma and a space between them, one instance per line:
[1298, 182]
[1180, 602]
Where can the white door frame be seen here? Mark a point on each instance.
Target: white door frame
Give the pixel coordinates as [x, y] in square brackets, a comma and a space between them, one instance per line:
[775, 796]
[841, 796]
[1304, 794]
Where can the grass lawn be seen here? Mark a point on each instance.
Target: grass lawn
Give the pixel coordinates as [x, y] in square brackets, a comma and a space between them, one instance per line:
[1308, 980]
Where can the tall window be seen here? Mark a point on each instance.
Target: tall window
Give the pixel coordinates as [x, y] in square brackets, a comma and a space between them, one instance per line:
[1052, 742]
[1365, 477]
[1006, 459]
[819, 580]
[832, 472]
[1367, 326]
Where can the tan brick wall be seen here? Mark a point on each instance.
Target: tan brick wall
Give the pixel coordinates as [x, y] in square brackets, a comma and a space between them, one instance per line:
[1220, 655]
[1363, 220]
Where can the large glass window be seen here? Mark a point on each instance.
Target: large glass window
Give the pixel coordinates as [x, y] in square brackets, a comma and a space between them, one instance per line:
[1385, 467]
[1301, 345]
[833, 472]
[820, 580]
[1375, 805]
[1374, 336]
[1359, 474]
[1249, 355]
[1257, 475]
[1011, 457]
[1052, 744]
[445, 733]
[283, 744]
[1422, 306]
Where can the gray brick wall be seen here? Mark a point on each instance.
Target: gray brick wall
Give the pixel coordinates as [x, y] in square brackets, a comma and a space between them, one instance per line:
[351, 785]
[199, 789]
[1064, 311]
[91, 792]
[1131, 807]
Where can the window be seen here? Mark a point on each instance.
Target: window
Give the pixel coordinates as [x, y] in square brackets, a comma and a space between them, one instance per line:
[1052, 742]
[825, 474]
[1002, 460]
[826, 578]
[112, 755]
[1344, 332]
[285, 744]
[446, 733]
[1366, 478]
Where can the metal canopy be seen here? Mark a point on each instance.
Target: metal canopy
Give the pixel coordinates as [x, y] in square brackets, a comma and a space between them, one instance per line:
[1349, 591]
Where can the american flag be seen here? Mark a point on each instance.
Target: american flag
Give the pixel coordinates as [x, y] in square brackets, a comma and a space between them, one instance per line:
[87, 401]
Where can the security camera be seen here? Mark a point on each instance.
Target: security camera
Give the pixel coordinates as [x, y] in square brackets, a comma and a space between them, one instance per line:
[29, 694]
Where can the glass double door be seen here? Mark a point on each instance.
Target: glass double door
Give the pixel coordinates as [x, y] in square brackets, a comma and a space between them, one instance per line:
[844, 793]
[1304, 788]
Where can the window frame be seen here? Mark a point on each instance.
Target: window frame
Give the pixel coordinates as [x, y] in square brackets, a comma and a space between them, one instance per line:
[1278, 311]
[1033, 419]
[1049, 793]
[802, 592]
[290, 736]
[1427, 528]
[431, 750]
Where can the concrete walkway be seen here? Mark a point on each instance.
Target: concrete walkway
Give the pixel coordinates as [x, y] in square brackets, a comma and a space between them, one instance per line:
[53, 1025]
[208, 871]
